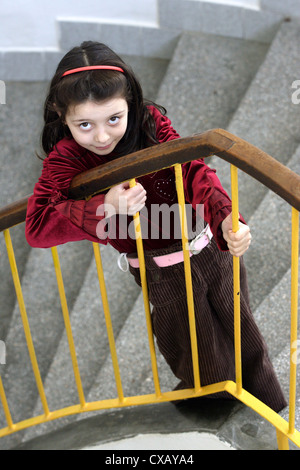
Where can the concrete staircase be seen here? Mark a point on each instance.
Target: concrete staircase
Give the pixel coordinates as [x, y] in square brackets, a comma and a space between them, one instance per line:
[210, 81]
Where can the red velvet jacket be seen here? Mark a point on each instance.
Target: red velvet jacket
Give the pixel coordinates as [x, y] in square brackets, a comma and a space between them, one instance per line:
[53, 219]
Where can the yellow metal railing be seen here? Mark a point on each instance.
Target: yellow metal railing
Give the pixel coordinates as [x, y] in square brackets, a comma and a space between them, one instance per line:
[285, 430]
[188, 278]
[109, 328]
[140, 251]
[236, 283]
[294, 317]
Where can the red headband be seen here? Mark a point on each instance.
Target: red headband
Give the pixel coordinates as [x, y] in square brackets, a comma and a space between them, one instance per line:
[93, 67]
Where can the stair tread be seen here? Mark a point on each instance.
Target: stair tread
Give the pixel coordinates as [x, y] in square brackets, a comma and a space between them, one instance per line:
[21, 116]
[46, 324]
[203, 87]
[266, 116]
[269, 256]
[89, 332]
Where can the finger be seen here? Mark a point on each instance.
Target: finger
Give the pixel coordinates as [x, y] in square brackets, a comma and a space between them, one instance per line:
[135, 208]
[242, 232]
[238, 253]
[238, 249]
[237, 246]
[137, 204]
[141, 198]
[239, 243]
[136, 196]
[137, 188]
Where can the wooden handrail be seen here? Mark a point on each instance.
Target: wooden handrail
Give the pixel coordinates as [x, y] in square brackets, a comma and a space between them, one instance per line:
[13, 213]
[248, 158]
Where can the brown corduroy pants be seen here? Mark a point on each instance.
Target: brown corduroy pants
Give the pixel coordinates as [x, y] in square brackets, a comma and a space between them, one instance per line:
[212, 276]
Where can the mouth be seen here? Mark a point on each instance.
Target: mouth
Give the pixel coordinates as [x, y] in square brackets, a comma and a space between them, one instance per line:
[103, 148]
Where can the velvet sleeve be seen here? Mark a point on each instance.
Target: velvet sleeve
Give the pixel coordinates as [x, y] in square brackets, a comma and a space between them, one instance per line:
[54, 219]
[49, 224]
[164, 128]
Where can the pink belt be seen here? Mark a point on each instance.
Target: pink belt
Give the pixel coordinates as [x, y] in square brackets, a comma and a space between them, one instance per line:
[196, 245]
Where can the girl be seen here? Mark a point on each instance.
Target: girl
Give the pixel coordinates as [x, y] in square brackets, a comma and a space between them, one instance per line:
[95, 112]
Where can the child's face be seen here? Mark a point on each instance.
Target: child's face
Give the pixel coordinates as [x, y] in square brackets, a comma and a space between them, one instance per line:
[98, 127]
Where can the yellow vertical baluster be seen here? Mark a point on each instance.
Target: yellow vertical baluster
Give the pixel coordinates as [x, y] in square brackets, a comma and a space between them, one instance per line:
[294, 316]
[140, 251]
[5, 406]
[188, 276]
[24, 317]
[109, 327]
[282, 440]
[66, 317]
[236, 282]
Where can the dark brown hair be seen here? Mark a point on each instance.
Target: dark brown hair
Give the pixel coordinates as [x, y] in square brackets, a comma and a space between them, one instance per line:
[97, 85]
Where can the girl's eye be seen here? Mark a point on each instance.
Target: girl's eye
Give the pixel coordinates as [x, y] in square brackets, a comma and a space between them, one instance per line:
[85, 125]
[114, 120]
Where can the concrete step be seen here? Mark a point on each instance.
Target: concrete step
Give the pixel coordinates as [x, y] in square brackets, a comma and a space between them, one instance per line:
[134, 361]
[21, 123]
[7, 290]
[127, 422]
[206, 79]
[150, 71]
[90, 337]
[234, 423]
[273, 317]
[20, 120]
[269, 256]
[43, 307]
[245, 429]
[266, 116]
[134, 364]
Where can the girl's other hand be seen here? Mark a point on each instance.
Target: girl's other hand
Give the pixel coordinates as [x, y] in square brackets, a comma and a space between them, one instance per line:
[237, 242]
[121, 199]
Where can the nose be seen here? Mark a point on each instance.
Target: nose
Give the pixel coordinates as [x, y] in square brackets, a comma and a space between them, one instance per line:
[101, 136]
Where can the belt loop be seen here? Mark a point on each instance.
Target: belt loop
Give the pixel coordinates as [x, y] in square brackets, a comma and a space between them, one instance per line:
[206, 232]
[123, 256]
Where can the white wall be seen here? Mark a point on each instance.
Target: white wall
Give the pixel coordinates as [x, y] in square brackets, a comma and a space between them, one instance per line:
[240, 3]
[31, 23]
